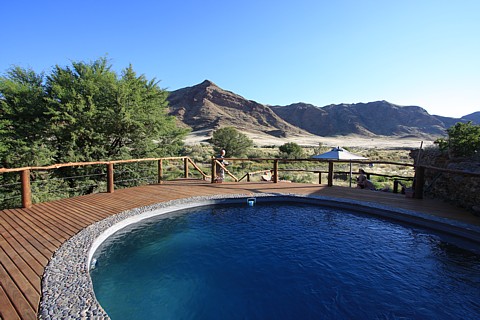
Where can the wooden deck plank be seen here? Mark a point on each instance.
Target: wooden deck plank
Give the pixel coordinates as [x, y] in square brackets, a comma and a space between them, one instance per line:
[31, 293]
[32, 234]
[50, 230]
[18, 218]
[40, 254]
[24, 262]
[51, 219]
[74, 215]
[29, 237]
[7, 310]
[55, 218]
[16, 297]
[35, 259]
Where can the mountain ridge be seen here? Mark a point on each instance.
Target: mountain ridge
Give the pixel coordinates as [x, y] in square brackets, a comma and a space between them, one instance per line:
[207, 107]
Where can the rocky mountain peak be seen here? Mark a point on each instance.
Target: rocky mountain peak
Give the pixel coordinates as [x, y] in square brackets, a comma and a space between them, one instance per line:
[206, 83]
[208, 107]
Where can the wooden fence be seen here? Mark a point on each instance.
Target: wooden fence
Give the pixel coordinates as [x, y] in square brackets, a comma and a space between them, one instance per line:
[419, 177]
[25, 172]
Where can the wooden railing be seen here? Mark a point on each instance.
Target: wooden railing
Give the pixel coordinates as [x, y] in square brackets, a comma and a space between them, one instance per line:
[330, 172]
[419, 177]
[25, 172]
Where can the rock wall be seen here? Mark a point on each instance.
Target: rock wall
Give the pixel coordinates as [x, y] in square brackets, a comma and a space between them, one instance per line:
[461, 190]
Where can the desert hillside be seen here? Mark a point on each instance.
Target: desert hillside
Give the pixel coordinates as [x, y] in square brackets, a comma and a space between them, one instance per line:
[206, 107]
[379, 118]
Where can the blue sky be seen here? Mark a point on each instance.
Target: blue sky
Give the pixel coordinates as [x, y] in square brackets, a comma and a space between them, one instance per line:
[408, 52]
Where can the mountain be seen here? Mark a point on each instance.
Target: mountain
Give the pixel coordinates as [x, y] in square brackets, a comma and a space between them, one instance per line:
[447, 121]
[206, 107]
[474, 117]
[369, 119]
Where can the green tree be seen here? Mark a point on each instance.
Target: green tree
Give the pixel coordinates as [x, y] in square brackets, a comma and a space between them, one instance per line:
[82, 112]
[23, 123]
[23, 128]
[291, 150]
[78, 98]
[97, 115]
[234, 142]
[141, 126]
[463, 140]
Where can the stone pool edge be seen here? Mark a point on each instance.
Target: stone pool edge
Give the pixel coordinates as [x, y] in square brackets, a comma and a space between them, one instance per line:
[67, 289]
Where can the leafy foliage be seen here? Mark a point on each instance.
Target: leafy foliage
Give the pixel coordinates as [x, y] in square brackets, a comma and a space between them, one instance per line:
[463, 140]
[107, 117]
[198, 153]
[23, 124]
[83, 112]
[291, 150]
[233, 141]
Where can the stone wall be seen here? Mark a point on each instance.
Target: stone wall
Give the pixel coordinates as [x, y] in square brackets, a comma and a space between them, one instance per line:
[461, 190]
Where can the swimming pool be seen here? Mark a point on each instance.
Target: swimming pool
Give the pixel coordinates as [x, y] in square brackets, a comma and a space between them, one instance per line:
[283, 260]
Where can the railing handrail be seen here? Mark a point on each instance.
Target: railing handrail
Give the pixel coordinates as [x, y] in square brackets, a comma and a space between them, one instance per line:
[454, 171]
[218, 163]
[320, 160]
[25, 172]
[80, 164]
[76, 164]
[419, 170]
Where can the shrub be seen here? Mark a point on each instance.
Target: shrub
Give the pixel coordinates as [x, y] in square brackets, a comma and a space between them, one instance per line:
[233, 141]
[291, 150]
[463, 140]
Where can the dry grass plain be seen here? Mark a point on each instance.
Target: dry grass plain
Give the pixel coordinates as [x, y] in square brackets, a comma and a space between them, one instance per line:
[390, 149]
[350, 141]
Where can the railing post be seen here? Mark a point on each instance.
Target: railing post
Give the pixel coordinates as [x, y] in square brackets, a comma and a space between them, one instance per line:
[160, 171]
[248, 176]
[330, 173]
[110, 184]
[275, 171]
[185, 167]
[214, 171]
[26, 189]
[419, 182]
[395, 186]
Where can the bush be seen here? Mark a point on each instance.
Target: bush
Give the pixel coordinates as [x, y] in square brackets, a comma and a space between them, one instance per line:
[291, 150]
[235, 143]
[463, 140]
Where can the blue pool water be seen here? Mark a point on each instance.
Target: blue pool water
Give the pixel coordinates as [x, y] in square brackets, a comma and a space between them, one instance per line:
[283, 261]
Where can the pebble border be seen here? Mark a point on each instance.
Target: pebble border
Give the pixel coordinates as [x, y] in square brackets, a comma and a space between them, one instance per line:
[67, 289]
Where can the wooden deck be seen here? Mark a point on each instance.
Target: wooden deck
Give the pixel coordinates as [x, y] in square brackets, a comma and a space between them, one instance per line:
[29, 237]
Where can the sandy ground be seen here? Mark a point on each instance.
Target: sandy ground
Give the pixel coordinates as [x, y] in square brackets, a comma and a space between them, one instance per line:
[311, 140]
